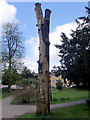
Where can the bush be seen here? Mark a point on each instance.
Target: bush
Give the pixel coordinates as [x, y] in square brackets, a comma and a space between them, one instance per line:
[62, 99]
[26, 95]
[67, 98]
[55, 99]
[27, 82]
[59, 85]
[28, 92]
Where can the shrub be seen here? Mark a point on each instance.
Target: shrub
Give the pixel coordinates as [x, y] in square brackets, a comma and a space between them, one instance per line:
[62, 98]
[27, 94]
[55, 99]
[59, 85]
[67, 98]
[27, 82]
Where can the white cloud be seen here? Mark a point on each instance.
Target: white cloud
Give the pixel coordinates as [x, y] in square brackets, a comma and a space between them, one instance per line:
[32, 50]
[7, 12]
[55, 38]
[34, 44]
[33, 66]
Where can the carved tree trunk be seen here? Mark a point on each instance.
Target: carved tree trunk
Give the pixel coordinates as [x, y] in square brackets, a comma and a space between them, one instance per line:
[43, 105]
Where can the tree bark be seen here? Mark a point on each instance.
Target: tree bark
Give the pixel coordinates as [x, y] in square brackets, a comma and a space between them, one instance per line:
[43, 105]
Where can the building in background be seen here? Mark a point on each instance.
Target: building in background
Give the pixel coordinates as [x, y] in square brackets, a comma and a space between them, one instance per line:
[54, 80]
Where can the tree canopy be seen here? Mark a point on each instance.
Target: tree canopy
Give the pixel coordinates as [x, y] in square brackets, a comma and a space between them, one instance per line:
[12, 44]
[27, 73]
[12, 77]
[75, 53]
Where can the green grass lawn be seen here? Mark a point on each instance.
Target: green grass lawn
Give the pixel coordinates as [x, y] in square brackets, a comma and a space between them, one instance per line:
[68, 95]
[4, 93]
[77, 111]
[64, 95]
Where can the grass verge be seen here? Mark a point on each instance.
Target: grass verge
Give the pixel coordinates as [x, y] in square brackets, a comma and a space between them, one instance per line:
[4, 93]
[63, 96]
[68, 95]
[77, 111]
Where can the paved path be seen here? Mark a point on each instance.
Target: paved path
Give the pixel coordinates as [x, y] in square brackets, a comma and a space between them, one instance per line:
[12, 111]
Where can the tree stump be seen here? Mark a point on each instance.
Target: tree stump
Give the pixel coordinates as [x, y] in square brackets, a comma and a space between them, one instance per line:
[43, 105]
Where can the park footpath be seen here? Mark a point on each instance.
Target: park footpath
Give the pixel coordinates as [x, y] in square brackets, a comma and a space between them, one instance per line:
[13, 111]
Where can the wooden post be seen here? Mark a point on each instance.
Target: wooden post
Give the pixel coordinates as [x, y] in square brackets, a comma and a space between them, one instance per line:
[43, 105]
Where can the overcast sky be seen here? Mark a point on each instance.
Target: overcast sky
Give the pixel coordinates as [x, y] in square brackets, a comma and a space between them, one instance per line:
[62, 20]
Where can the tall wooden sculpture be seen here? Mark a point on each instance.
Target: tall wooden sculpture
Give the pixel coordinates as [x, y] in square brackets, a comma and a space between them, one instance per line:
[43, 105]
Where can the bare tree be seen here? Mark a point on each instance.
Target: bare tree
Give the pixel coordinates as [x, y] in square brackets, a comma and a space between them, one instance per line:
[12, 46]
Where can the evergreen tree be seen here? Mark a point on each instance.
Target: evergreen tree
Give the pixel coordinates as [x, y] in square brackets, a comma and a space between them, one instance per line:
[26, 73]
[75, 53]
